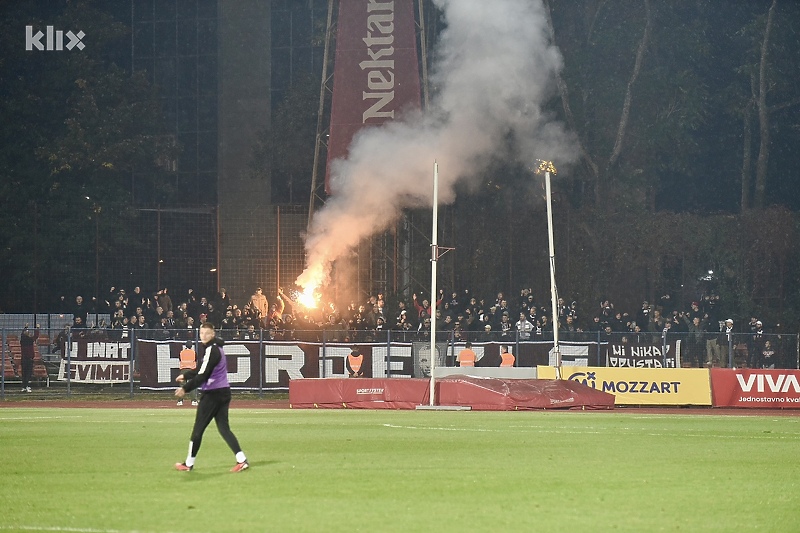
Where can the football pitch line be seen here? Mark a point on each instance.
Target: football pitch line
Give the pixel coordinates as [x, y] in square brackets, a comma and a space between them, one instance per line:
[73, 529]
[565, 430]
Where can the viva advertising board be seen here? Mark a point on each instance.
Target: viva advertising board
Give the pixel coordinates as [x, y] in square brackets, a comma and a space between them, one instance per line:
[642, 386]
[764, 389]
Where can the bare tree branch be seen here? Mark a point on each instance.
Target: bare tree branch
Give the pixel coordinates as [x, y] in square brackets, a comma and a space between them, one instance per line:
[564, 92]
[626, 106]
[763, 115]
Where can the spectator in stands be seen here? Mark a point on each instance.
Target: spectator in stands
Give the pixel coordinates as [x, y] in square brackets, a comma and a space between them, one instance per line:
[164, 300]
[768, 355]
[238, 319]
[666, 305]
[138, 299]
[223, 300]
[697, 333]
[544, 326]
[505, 328]
[524, 327]
[78, 327]
[141, 323]
[606, 310]
[424, 309]
[228, 323]
[723, 346]
[656, 322]
[755, 346]
[488, 334]
[710, 307]
[446, 324]
[80, 309]
[27, 341]
[117, 318]
[276, 310]
[250, 334]
[60, 342]
[259, 303]
[214, 315]
[570, 328]
[695, 312]
[596, 324]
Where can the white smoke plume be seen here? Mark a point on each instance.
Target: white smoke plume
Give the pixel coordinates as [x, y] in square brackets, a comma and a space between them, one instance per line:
[494, 68]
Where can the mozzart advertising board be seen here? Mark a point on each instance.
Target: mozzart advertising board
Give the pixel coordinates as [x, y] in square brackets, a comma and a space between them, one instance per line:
[642, 386]
[766, 389]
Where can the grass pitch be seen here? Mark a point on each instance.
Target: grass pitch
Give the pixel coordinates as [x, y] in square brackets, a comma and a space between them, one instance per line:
[103, 470]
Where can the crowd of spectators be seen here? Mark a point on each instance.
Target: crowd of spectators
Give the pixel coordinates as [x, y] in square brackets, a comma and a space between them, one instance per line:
[459, 315]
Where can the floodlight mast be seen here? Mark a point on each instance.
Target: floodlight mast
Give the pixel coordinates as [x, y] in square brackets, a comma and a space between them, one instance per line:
[547, 167]
[434, 259]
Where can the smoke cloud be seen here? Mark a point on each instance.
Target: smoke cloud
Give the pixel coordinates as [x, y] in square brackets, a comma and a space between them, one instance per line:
[493, 69]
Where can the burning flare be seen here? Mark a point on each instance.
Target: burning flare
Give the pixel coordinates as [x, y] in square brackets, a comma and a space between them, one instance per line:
[308, 298]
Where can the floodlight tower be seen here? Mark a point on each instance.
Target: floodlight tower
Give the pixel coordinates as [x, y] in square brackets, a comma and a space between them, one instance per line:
[548, 168]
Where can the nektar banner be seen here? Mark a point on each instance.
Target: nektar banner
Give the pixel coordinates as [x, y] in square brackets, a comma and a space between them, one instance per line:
[376, 73]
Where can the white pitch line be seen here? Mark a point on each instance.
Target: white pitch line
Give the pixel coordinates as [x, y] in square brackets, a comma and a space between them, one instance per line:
[71, 529]
[771, 436]
[39, 417]
[438, 428]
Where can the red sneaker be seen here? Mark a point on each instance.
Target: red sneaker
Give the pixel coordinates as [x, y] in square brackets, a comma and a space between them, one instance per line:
[240, 466]
[182, 467]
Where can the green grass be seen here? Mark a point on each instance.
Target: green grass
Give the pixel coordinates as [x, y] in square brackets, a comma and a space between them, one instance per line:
[111, 469]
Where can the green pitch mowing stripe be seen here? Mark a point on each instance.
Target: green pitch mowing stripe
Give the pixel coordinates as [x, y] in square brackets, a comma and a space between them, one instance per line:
[100, 470]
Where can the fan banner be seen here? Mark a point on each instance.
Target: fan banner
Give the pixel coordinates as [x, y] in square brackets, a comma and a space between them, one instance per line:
[96, 362]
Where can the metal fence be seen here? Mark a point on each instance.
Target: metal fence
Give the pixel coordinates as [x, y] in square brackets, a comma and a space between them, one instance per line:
[131, 361]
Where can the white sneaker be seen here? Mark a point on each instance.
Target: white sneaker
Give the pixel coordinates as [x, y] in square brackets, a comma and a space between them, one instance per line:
[180, 402]
[194, 402]
[28, 389]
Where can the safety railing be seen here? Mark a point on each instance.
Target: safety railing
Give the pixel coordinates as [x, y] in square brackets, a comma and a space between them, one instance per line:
[66, 361]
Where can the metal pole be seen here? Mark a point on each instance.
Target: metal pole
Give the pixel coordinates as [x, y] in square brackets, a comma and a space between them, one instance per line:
[158, 248]
[388, 353]
[320, 112]
[96, 261]
[69, 362]
[131, 363]
[434, 258]
[261, 362]
[730, 349]
[278, 243]
[553, 290]
[218, 266]
[423, 47]
[324, 350]
[3, 357]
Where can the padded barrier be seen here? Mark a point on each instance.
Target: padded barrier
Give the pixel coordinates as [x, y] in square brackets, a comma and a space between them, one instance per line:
[484, 394]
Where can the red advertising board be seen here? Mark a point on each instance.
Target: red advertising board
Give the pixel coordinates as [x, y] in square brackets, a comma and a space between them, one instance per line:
[768, 389]
[376, 73]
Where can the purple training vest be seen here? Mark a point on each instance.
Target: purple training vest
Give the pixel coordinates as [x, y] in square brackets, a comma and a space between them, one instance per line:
[219, 376]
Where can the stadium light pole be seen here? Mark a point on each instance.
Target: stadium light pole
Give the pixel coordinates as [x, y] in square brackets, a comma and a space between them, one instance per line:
[434, 259]
[548, 168]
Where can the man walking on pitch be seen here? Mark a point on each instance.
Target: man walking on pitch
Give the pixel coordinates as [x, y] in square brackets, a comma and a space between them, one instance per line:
[212, 379]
